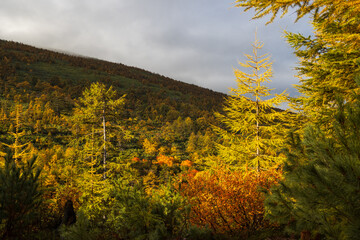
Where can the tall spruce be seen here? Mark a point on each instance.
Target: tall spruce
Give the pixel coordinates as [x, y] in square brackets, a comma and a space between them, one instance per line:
[253, 130]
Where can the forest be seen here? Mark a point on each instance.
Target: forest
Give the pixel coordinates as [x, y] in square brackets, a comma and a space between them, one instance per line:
[91, 149]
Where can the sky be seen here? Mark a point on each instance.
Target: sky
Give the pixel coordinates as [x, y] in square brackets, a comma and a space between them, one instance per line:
[194, 41]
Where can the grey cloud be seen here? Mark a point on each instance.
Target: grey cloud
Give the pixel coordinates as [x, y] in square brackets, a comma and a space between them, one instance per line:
[192, 41]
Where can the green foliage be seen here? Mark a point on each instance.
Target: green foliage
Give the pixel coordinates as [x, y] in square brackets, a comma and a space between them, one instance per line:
[319, 9]
[96, 101]
[81, 230]
[131, 214]
[137, 215]
[95, 122]
[199, 233]
[95, 197]
[320, 190]
[20, 195]
[172, 209]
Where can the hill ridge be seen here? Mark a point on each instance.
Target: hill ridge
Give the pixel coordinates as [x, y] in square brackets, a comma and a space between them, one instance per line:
[142, 73]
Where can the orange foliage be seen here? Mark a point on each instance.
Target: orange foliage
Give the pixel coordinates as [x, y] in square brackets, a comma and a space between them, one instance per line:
[186, 163]
[162, 159]
[229, 202]
[136, 159]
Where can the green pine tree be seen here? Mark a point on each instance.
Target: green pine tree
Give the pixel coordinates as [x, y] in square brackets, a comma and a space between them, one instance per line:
[20, 195]
[320, 190]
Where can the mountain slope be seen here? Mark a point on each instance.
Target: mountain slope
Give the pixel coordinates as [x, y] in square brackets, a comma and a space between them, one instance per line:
[170, 117]
[30, 70]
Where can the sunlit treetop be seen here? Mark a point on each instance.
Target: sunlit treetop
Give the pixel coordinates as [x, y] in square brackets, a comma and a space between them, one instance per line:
[328, 10]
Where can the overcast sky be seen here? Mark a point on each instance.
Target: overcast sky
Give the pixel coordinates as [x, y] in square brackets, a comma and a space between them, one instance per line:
[194, 41]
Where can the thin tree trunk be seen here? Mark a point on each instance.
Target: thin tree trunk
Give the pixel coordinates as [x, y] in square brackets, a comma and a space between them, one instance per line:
[257, 136]
[104, 132]
[92, 161]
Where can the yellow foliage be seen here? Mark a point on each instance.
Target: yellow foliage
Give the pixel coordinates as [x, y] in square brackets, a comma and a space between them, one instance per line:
[150, 182]
[255, 130]
[149, 147]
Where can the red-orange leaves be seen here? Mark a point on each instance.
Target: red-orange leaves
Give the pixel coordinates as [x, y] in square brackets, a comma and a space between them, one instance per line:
[162, 159]
[229, 202]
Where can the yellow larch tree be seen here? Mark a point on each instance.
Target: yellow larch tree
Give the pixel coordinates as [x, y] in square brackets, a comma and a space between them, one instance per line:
[21, 151]
[253, 129]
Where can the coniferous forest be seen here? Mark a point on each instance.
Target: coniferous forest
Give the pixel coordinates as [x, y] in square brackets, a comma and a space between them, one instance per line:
[91, 149]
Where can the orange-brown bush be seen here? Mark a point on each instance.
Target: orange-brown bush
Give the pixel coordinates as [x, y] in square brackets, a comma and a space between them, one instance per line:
[229, 202]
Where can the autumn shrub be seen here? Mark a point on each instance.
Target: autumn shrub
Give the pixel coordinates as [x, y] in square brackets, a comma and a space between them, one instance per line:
[229, 202]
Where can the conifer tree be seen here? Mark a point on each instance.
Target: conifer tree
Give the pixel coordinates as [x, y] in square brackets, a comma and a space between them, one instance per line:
[20, 195]
[254, 129]
[320, 190]
[21, 151]
[96, 127]
[97, 110]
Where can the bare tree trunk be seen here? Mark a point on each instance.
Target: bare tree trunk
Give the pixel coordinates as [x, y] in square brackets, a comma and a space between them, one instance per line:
[104, 132]
[257, 136]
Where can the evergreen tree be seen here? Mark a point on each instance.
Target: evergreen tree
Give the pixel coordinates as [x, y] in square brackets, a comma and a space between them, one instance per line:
[81, 230]
[20, 195]
[254, 129]
[162, 214]
[320, 190]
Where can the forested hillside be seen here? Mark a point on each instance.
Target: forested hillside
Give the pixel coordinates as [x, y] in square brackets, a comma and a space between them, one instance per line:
[45, 113]
[156, 109]
[130, 151]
